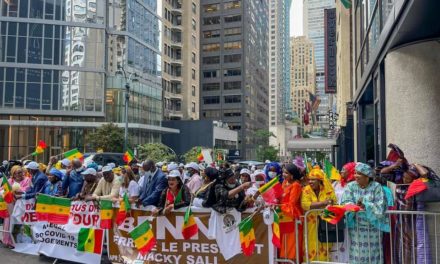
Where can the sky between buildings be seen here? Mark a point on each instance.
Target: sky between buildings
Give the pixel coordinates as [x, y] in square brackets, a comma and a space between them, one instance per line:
[296, 18]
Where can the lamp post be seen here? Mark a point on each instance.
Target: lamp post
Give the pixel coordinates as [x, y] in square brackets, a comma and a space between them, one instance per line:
[128, 79]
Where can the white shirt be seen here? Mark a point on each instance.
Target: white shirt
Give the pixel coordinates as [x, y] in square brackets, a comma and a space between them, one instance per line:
[195, 182]
[132, 190]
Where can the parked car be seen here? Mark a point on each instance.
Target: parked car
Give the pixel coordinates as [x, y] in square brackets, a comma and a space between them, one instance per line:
[104, 158]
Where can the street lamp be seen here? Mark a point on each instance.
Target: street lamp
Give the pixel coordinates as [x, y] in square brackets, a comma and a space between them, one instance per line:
[128, 79]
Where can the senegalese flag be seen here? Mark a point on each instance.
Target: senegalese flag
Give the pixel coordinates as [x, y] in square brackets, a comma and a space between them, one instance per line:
[90, 240]
[8, 196]
[179, 197]
[271, 191]
[308, 164]
[334, 213]
[128, 156]
[346, 3]
[40, 148]
[73, 154]
[52, 209]
[3, 209]
[143, 238]
[189, 228]
[124, 209]
[417, 186]
[106, 212]
[200, 155]
[286, 223]
[331, 172]
[276, 237]
[247, 236]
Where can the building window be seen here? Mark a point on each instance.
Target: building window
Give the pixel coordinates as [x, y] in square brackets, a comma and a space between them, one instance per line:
[193, 57]
[211, 100]
[193, 90]
[193, 41]
[232, 45]
[232, 58]
[193, 107]
[212, 47]
[232, 85]
[211, 74]
[211, 20]
[211, 8]
[211, 87]
[193, 74]
[233, 18]
[211, 114]
[232, 99]
[233, 5]
[232, 113]
[233, 31]
[194, 24]
[211, 34]
[211, 60]
[232, 72]
[194, 8]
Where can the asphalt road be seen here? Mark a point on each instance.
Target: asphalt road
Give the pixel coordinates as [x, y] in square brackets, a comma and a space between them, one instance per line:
[11, 257]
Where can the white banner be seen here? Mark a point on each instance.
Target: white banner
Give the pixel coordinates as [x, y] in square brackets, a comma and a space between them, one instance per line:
[57, 241]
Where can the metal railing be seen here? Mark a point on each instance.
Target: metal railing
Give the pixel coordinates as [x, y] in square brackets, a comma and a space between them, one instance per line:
[413, 238]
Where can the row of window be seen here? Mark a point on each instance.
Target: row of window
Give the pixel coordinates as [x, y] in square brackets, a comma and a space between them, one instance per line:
[215, 20]
[226, 73]
[236, 31]
[211, 8]
[228, 99]
[226, 59]
[226, 46]
[207, 87]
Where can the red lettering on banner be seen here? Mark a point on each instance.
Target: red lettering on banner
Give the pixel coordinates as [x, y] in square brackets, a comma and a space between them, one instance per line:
[29, 217]
[81, 219]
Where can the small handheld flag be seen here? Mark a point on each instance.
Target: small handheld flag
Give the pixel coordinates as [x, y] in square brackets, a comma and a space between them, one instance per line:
[40, 148]
[247, 236]
[271, 191]
[73, 154]
[106, 213]
[8, 196]
[124, 208]
[189, 228]
[128, 156]
[90, 240]
[52, 209]
[143, 238]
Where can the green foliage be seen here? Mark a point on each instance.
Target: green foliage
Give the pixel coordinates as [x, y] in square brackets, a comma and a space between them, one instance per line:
[267, 153]
[108, 137]
[156, 152]
[191, 155]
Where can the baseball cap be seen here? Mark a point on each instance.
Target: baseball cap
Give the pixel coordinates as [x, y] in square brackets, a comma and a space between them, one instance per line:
[245, 171]
[174, 174]
[192, 165]
[66, 162]
[106, 169]
[32, 166]
[89, 171]
[172, 166]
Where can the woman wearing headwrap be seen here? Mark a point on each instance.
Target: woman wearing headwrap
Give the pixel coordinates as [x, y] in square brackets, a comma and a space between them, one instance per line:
[273, 170]
[209, 178]
[365, 228]
[291, 211]
[340, 250]
[347, 175]
[53, 186]
[19, 184]
[317, 195]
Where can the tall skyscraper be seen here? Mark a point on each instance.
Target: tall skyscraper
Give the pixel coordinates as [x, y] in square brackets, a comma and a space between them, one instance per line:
[180, 59]
[234, 57]
[313, 16]
[279, 70]
[303, 76]
[59, 75]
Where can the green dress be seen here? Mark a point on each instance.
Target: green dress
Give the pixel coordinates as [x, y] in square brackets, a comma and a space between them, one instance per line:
[365, 227]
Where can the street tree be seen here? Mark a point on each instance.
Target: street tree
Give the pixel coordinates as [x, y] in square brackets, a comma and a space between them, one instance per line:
[156, 152]
[108, 138]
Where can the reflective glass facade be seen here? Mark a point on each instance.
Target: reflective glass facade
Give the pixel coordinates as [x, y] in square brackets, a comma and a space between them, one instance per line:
[59, 60]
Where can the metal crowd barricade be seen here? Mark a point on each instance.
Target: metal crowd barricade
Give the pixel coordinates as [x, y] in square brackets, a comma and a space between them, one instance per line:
[413, 239]
[298, 254]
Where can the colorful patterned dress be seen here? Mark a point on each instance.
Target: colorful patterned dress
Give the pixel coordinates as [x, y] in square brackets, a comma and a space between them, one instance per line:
[366, 227]
[317, 251]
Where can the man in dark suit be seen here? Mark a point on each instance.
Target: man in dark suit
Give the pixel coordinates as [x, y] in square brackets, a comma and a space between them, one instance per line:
[153, 184]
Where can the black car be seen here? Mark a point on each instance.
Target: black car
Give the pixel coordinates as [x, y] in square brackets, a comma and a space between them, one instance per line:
[105, 158]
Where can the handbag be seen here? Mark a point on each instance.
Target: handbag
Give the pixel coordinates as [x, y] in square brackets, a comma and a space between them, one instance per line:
[329, 233]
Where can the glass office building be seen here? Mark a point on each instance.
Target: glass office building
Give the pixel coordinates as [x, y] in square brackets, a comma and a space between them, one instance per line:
[58, 71]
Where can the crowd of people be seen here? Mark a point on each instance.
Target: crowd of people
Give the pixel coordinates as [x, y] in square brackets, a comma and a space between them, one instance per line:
[228, 186]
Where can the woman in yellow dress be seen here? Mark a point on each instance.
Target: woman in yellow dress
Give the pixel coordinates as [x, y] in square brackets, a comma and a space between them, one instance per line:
[316, 195]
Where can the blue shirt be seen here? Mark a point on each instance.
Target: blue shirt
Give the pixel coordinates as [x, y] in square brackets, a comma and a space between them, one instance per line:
[73, 183]
[38, 182]
[53, 189]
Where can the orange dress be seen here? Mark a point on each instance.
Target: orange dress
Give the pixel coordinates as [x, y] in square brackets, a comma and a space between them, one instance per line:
[291, 211]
